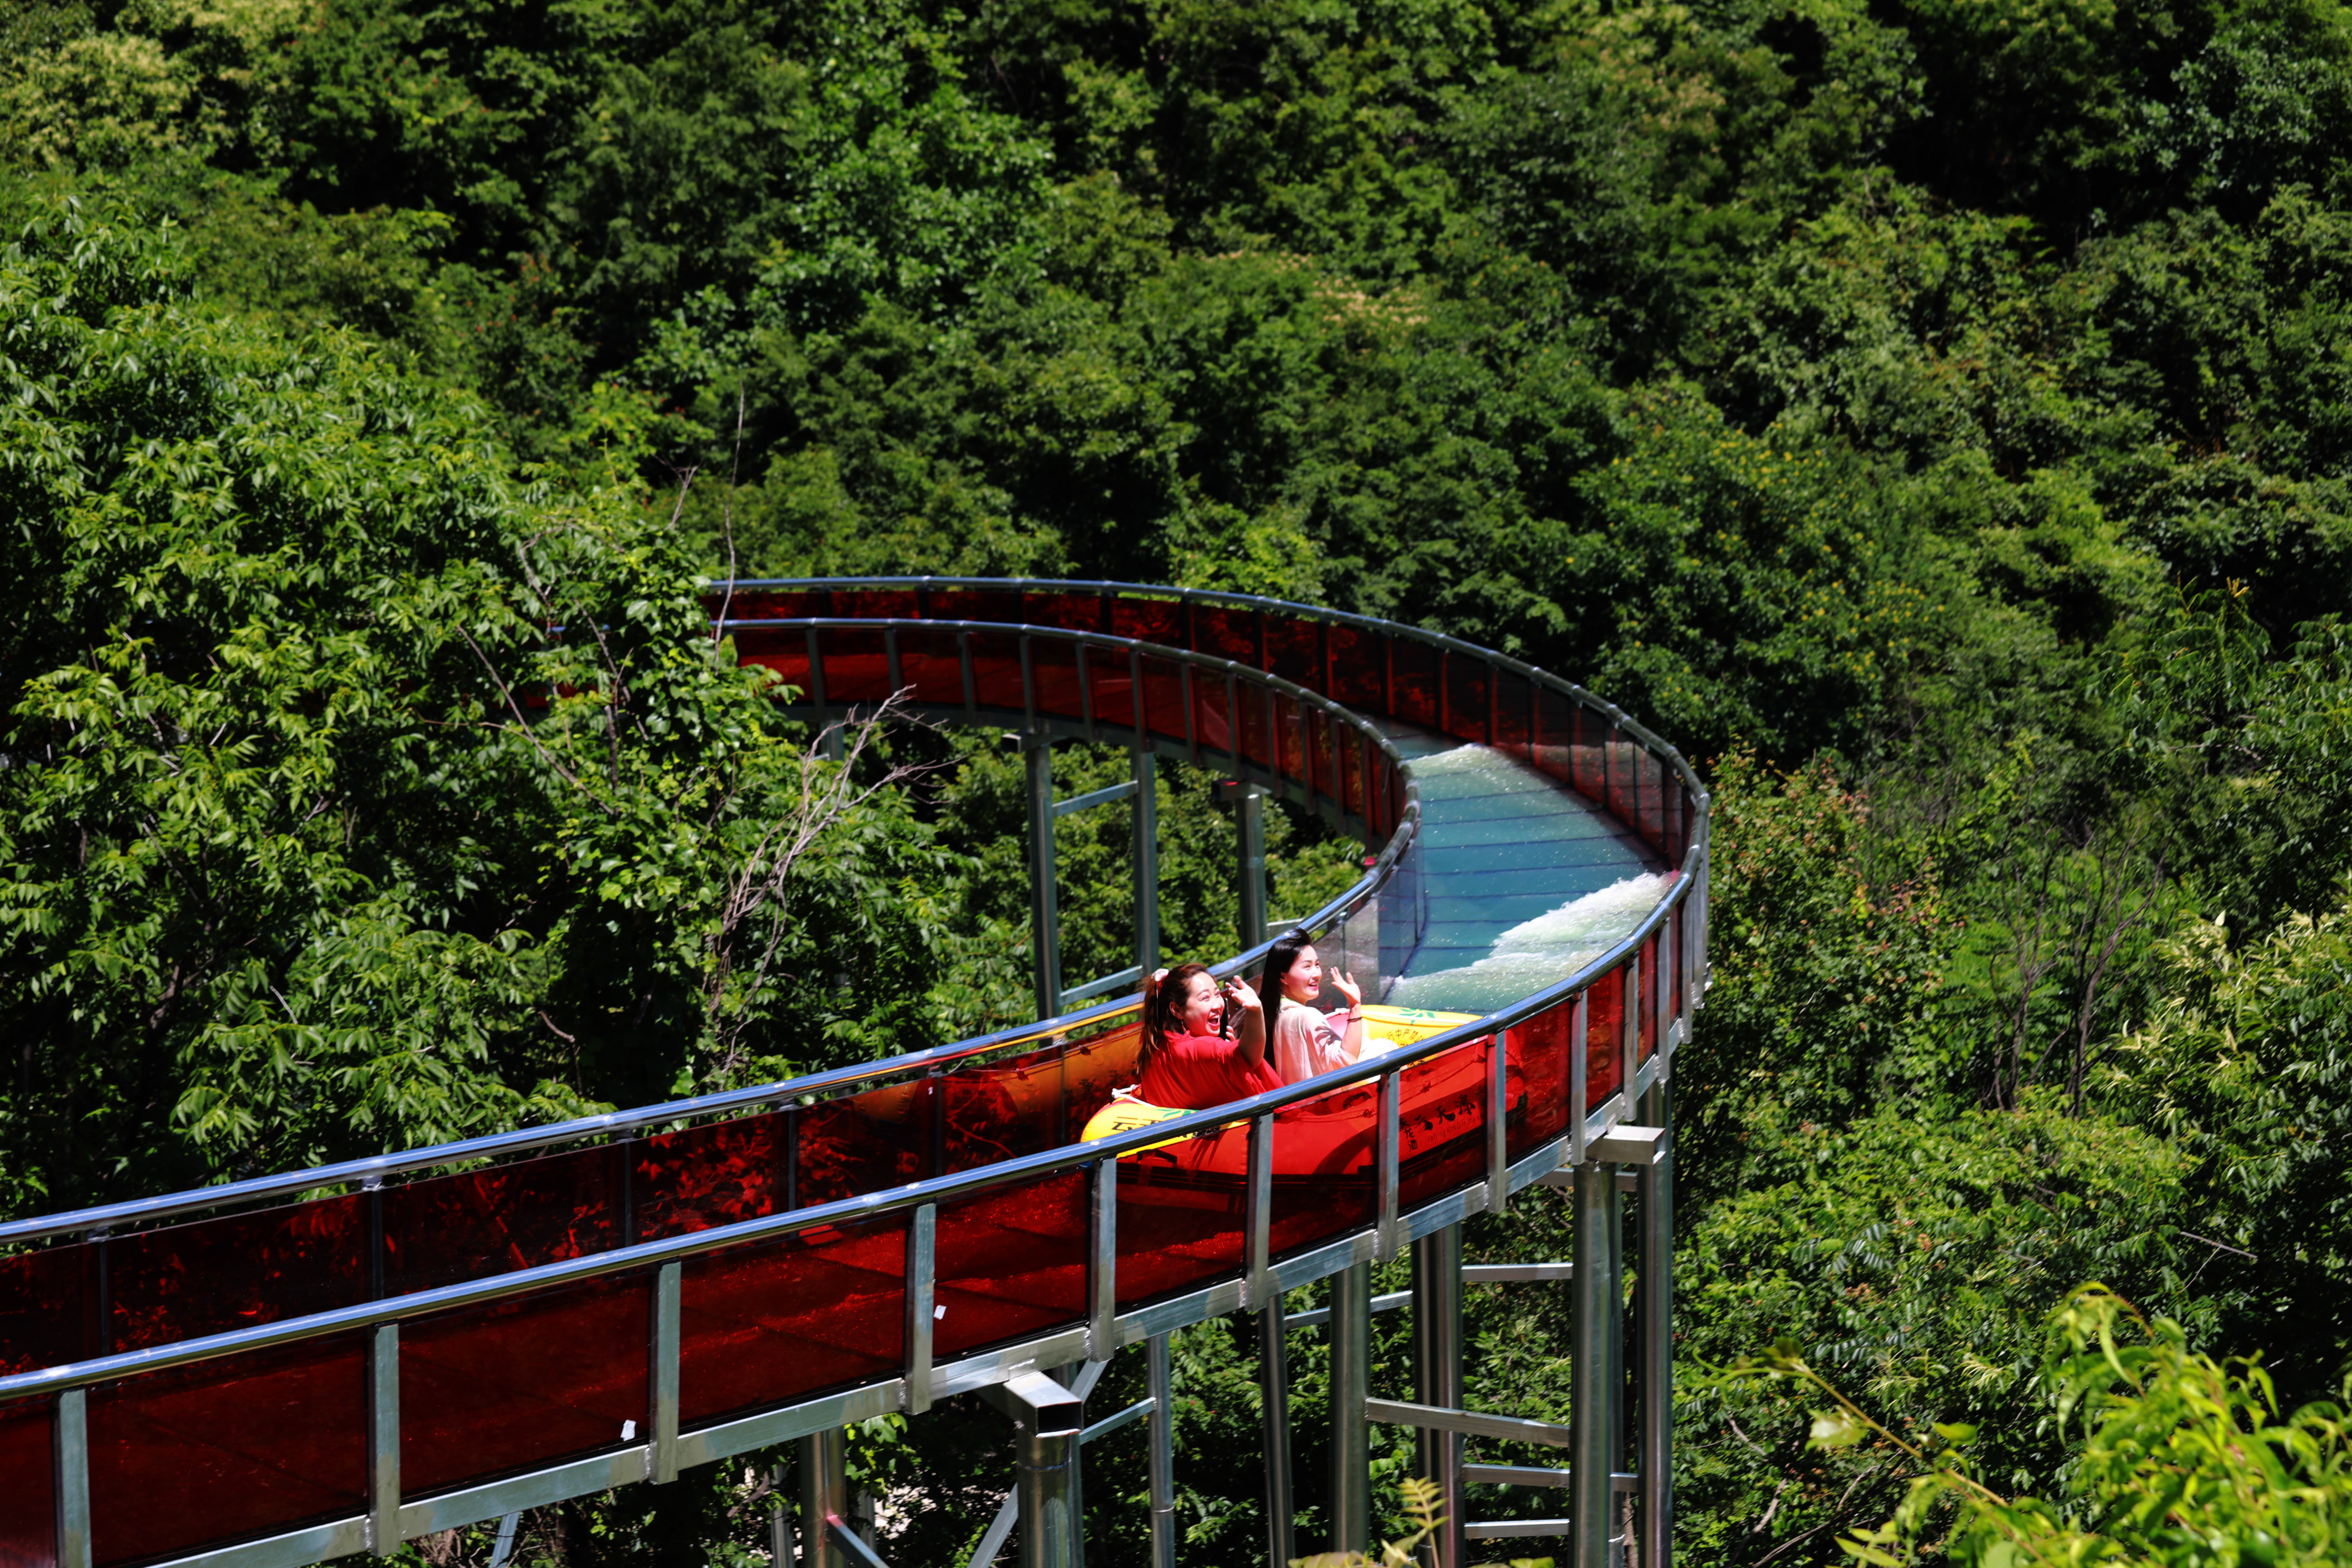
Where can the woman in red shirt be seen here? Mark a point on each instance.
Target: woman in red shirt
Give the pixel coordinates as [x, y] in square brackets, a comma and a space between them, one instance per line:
[1187, 1062]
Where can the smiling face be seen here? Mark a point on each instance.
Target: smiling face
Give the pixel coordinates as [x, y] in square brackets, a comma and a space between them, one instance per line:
[1203, 1006]
[1303, 981]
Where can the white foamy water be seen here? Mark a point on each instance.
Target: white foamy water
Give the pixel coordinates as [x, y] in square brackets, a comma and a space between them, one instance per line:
[1537, 952]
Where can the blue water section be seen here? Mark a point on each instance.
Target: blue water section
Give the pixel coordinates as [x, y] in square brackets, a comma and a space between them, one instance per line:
[1523, 880]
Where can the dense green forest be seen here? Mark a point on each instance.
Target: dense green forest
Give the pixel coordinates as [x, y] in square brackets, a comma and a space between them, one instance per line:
[1933, 416]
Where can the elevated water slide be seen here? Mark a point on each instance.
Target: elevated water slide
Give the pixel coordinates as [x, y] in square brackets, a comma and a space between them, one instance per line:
[257, 1374]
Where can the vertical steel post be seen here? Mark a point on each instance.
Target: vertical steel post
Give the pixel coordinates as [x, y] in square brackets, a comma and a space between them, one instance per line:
[1046, 1421]
[1656, 1303]
[71, 1432]
[1163, 1454]
[1045, 934]
[825, 1495]
[663, 1372]
[922, 1294]
[780, 1522]
[1274, 1419]
[1592, 1402]
[1437, 1376]
[384, 1439]
[1351, 1367]
[1249, 865]
[1146, 854]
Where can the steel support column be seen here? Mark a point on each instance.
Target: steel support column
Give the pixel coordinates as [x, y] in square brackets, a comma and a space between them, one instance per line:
[1437, 1376]
[1045, 915]
[824, 1496]
[1046, 1421]
[1163, 1454]
[1351, 1367]
[1249, 859]
[1655, 1301]
[1592, 1398]
[1146, 856]
[1274, 1422]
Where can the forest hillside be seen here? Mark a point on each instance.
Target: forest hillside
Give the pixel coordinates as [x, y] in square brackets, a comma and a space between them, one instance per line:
[1932, 415]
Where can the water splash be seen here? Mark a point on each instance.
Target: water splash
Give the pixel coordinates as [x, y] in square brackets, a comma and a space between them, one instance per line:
[1537, 952]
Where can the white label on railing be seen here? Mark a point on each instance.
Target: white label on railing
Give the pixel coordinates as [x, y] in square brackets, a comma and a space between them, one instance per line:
[628, 1431]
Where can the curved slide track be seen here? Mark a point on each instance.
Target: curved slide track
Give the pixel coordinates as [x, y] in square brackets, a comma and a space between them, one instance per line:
[257, 1375]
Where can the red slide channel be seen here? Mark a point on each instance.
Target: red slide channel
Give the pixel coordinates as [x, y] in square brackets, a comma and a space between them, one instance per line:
[209, 1369]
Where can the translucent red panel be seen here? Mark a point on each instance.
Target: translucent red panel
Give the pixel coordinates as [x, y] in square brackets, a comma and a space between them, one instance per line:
[1650, 998]
[1001, 1112]
[1412, 680]
[191, 1281]
[1111, 682]
[1011, 1262]
[1226, 633]
[1077, 612]
[875, 604]
[1323, 1163]
[1649, 798]
[1349, 747]
[768, 603]
[242, 1446]
[777, 1322]
[1149, 620]
[1092, 1069]
[1542, 1046]
[856, 666]
[1465, 697]
[524, 1383]
[1289, 740]
[1053, 677]
[48, 1307]
[1163, 698]
[931, 663]
[974, 605]
[1213, 728]
[1604, 1039]
[1258, 741]
[714, 1174]
[783, 650]
[1622, 800]
[1441, 1124]
[1324, 733]
[1294, 650]
[28, 1500]
[1359, 665]
[866, 1143]
[996, 670]
[1180, 1214]
[1514, 710]
[1552, 746]
[504, 1218]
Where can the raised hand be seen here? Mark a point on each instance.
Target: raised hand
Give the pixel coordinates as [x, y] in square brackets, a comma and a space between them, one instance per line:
[1344, 983]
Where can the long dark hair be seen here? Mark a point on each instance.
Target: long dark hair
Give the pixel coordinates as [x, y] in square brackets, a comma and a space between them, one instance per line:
[1278, 960]
[1163, 1016]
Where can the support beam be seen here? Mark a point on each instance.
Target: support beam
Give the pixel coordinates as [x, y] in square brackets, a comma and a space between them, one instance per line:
[1654, 1302]
[384, 1439]
[824, 1496]
[1046, 1419]
[72, 1459]
[1163, 1454]
[1351, 1370]
[1045, 914]
[1437, 1376]
[1593, 1401]
[1274, 1422]
[1146, 854]
[1249, 859]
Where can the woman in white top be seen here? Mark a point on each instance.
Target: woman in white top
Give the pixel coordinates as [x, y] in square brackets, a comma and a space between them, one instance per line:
[1303, 1041]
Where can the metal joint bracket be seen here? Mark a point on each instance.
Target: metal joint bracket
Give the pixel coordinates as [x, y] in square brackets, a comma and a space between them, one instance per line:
[1036, 1404]
[1623, 1145]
